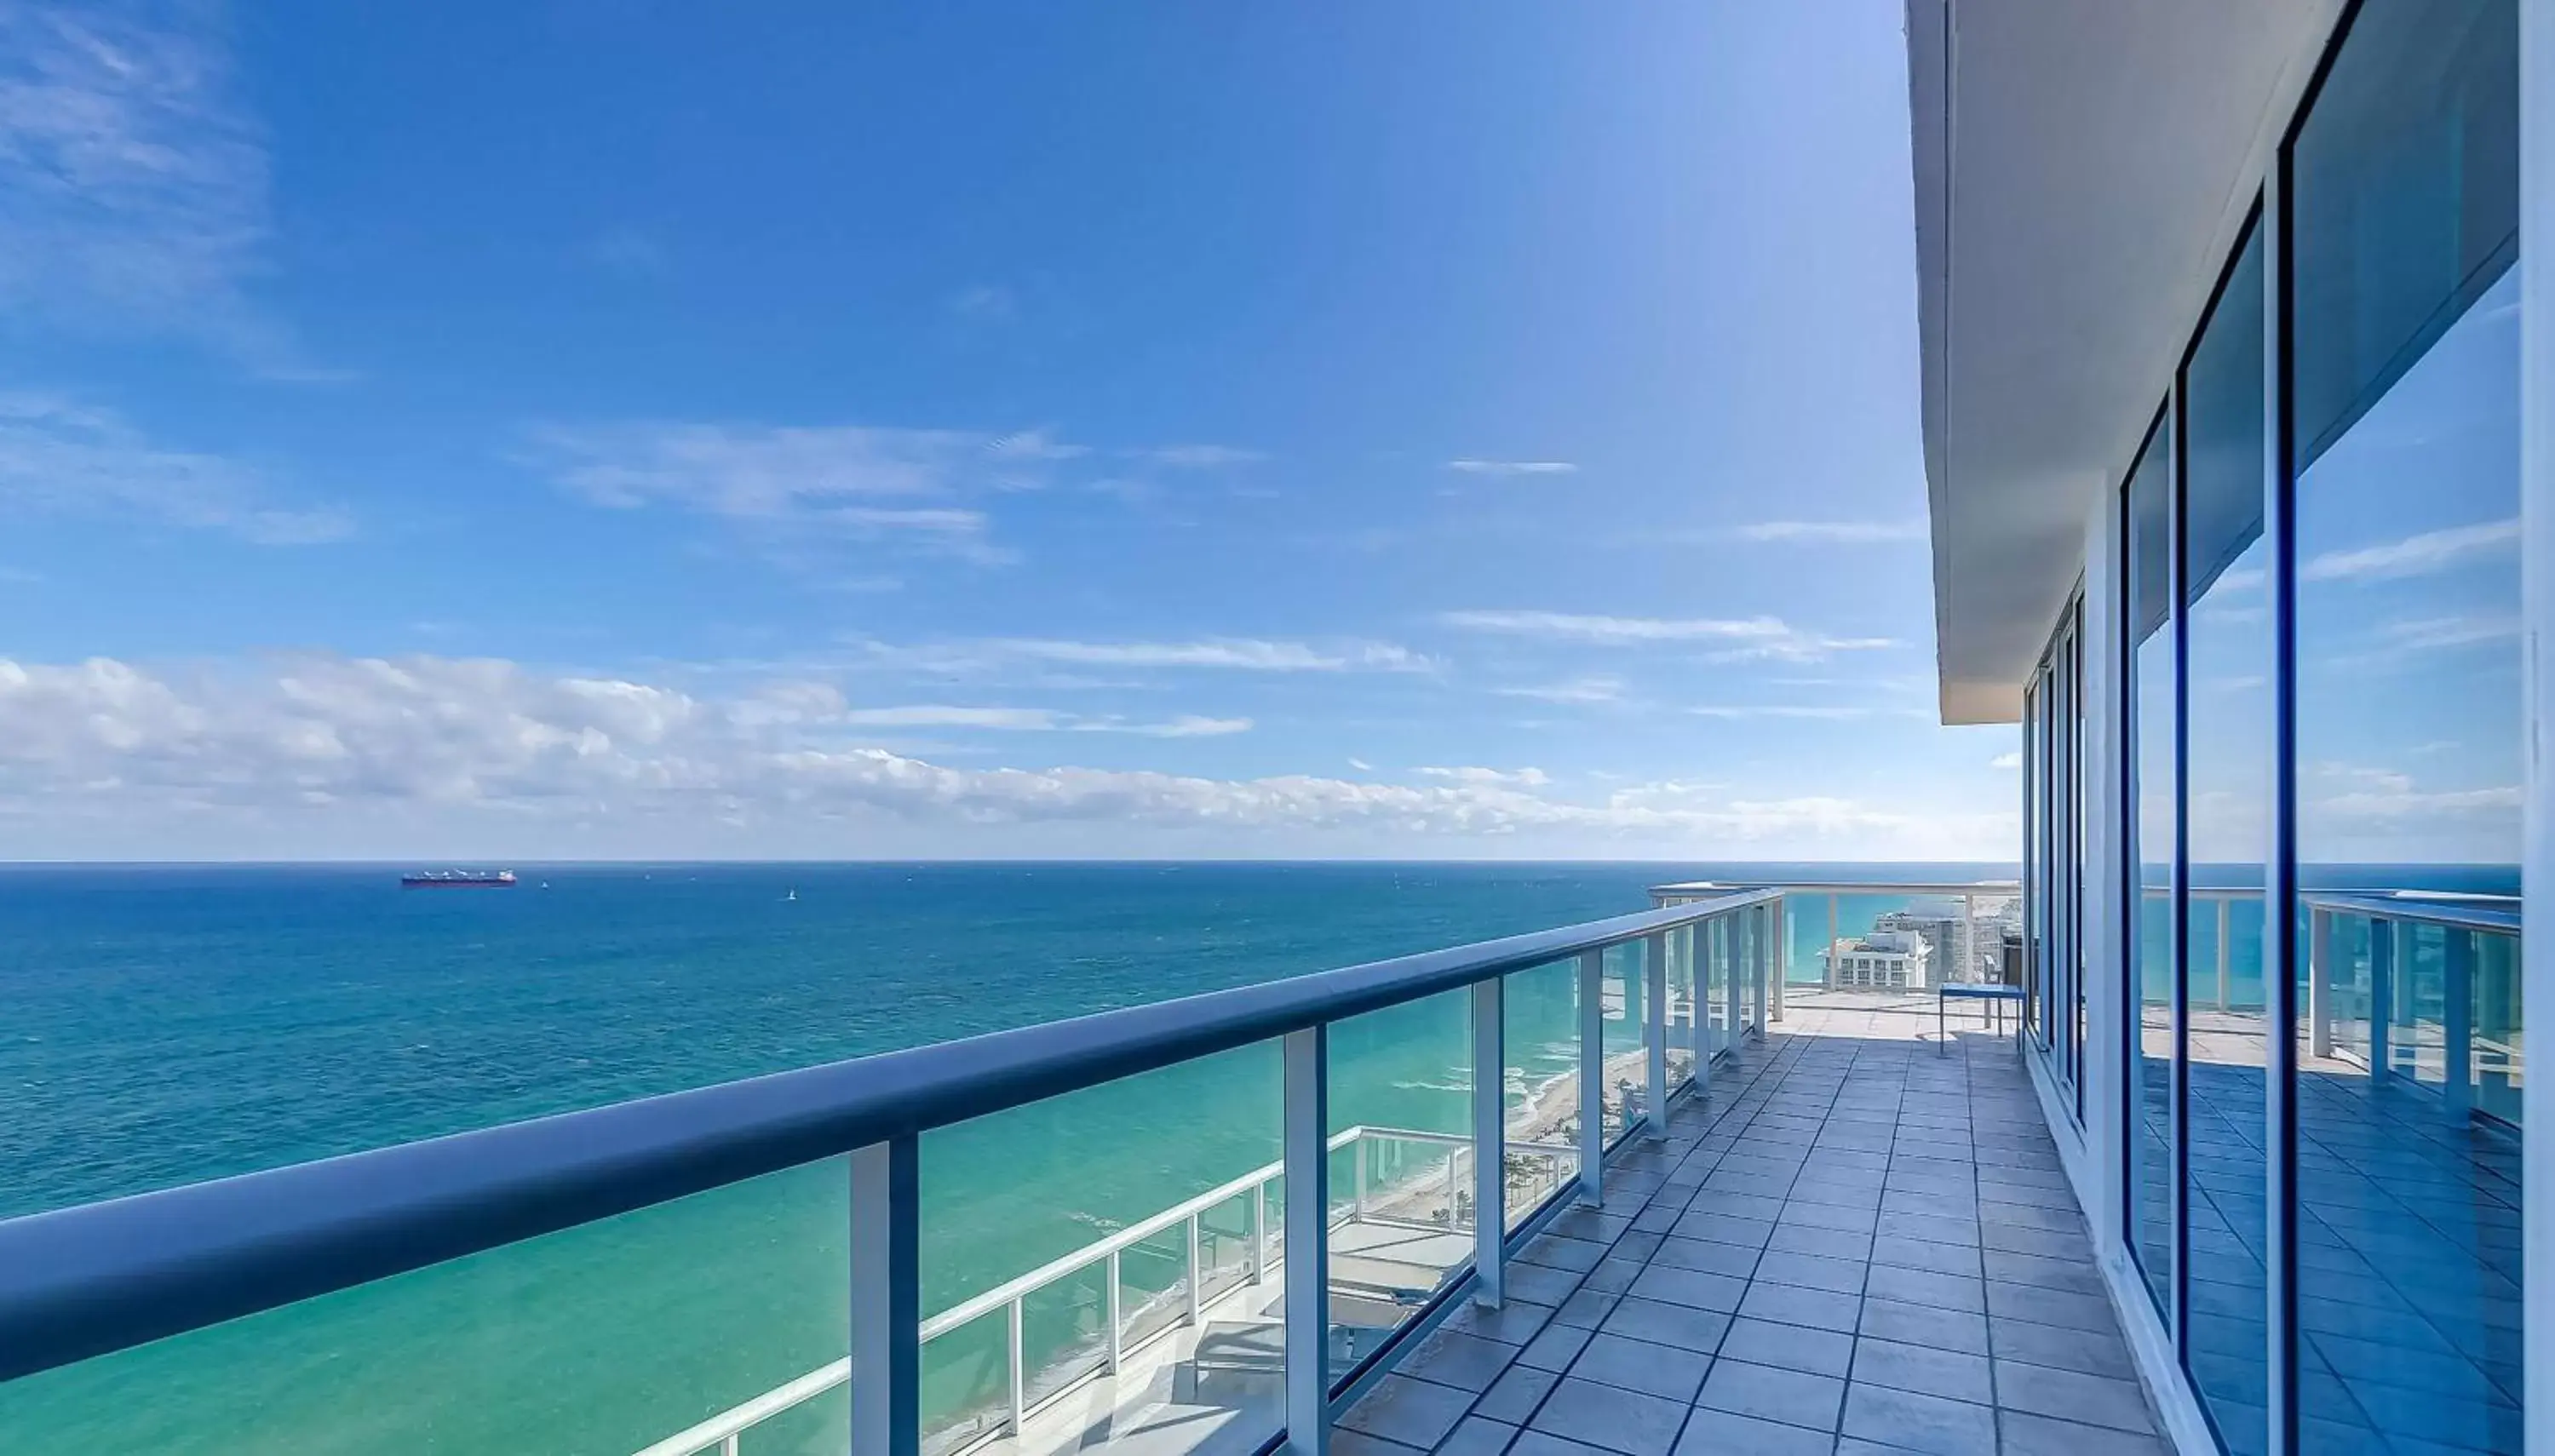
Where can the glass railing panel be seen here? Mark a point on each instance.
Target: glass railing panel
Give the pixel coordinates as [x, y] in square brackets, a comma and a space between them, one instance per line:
[1405, 1069]
[2499, 1063]
[966, 1383]
[1225, 1234]
[1153, 1285]
[1681, 1014]
[1541, 1031]
[1624, 985]
[1715, 946]
[1033, 1203]
[1066, 1323]
[602, 1340]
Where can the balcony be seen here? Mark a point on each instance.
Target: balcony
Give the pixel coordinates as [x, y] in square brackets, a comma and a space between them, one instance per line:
[1842, 1230]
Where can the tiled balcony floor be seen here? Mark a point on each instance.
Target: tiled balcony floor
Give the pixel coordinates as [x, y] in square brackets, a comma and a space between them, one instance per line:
[1858, 1243]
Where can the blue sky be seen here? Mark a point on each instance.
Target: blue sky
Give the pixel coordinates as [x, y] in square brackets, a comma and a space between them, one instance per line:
[974, 429]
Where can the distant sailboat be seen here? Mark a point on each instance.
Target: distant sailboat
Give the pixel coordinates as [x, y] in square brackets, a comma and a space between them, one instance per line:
[792, 896]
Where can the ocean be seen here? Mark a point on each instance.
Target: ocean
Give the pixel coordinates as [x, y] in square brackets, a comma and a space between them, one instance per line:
[163, 1024]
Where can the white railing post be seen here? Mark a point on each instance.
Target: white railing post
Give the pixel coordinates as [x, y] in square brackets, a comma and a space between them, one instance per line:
[1020, 1380]
[1783, 957]
[1489, 1144]
[2457, 1019]
[1259, 1233]
[1700, 999]
[2319, 983]
[2381, 993]
[2226, 963]
[1116, 1315]
[1197, 1274]
[1308, 1258]
[1357, 1160]
[1592, 1075]
[1827, 951]
[1654, 1033]
[1756, 960]
[887, 1314]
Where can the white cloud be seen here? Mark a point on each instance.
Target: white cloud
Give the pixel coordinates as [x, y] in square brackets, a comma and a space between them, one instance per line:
[1593, 689]
[2433, 634]
[1780, 710]
[1197, 456]
[59, 457]
[1739, 638]
[2414, 556]
[1521, 777]
[791, 481]
[1835, 533]
[1362, 766]
[1513, 467]
[2009, 758]
[1244, 654]
[134, 186]
[1033, 720]
[336, 744]
[984, 302]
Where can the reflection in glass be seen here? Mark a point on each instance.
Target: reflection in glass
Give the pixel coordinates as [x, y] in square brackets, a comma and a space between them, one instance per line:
[2410, 767]
[2228, 650]
[1398, 1228]
[2152, 702]
[1539, 1012]
[1097, 1249]
[1624, 985]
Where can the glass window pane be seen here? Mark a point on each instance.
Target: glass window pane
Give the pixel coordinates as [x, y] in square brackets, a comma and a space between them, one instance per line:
[2153, 797]
[2228, 726]
[2409, 723]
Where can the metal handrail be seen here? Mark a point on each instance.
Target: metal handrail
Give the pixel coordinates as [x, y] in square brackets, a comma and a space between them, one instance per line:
[89, 1281]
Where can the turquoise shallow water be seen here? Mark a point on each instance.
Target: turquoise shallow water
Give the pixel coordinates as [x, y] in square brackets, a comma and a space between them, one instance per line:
[163, 1024]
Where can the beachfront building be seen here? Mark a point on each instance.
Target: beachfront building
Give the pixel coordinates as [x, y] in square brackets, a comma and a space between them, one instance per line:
[2234, 367]
[1886, 959]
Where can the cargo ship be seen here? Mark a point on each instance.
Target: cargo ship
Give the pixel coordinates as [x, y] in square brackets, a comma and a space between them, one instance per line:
[457, 879]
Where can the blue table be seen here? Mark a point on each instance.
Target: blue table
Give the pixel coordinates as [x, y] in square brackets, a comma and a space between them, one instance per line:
[1995, 994]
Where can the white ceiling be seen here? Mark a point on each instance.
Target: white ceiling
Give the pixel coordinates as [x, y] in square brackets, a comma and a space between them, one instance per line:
[2083, 167]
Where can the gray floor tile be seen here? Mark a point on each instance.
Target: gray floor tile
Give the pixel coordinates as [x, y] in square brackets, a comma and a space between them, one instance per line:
[1681, 1325]
[1812, 1271]
[1612, 1277]
[1586, 1310]
[1688, 1286]
[1924, 1368]
[1513, 1322]
[2094, 1351]
[1476, 1436]
[2077, 1276]
[1790, 1397]
[2067, 1394]
[1637, 1364]
[1898, 1249]
[1829, 1216]
[1619, 1420]
[1789, 1304]
[1964, 1292]
[1453, 1357]
[1721, 1228]
[1513, 1396]
[1346, 1442]
[1532, 1442]
[1919, 1324]
[1415, 1412]
[1555, 1348]
[1539, 1282]
[1720, 1433]
[1707, 1256]
[1935, 1229]
[1560, 1251]
[2027, 1434]
[1789, 1346]
[1826, 1243]
[1932, 1424]
[2049, 1306]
